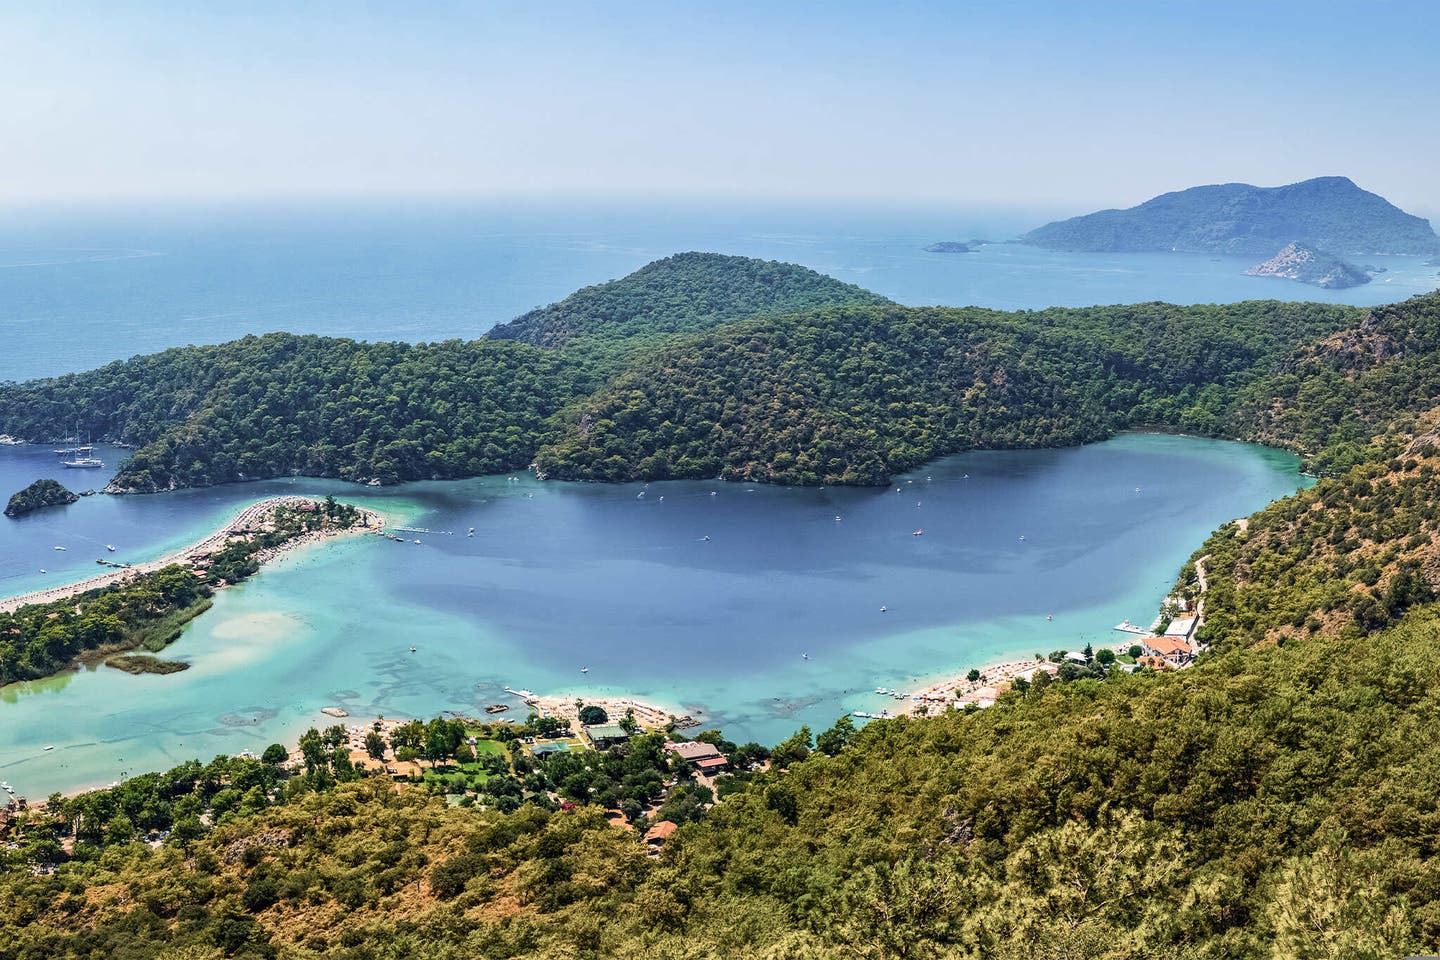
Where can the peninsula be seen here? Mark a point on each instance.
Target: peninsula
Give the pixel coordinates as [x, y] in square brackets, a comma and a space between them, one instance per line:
[1327, 213]
[146, 604]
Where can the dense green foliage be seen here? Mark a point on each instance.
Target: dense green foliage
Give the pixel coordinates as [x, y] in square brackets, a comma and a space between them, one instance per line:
[675, 386]
[1330, 213]
[279, 404]
[1271, 801]
[684, 293]
[1276, 799]
[147, 610]
[1349, 556]
[1334, 397]
[856, 394]
[41, 493]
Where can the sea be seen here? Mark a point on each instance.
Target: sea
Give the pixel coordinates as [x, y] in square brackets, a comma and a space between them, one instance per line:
[754, 608]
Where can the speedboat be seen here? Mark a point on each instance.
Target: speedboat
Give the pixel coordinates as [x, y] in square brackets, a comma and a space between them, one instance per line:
[921, 533]
[584, 669]
[412, 648]
[59, 548]
[110, 547]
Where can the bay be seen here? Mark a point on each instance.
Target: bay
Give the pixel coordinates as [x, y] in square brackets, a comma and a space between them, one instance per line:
[704, 596]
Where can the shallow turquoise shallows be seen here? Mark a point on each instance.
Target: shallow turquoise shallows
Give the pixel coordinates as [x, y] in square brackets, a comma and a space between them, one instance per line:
[707, 596]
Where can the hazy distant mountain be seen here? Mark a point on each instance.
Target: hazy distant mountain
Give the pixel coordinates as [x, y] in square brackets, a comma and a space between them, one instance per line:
[1308, 265]
[1327, 213]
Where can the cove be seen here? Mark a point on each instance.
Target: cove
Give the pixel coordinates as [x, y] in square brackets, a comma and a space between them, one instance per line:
[702, 595]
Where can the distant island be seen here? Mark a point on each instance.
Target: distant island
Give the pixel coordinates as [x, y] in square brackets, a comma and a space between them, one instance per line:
[37, 496]
[1308, 265]
[1326, 213]
[950, 246]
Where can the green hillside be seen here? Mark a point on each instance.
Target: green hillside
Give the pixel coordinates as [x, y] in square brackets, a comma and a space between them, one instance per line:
[684, 293]
[857, 394]
[1272, 801]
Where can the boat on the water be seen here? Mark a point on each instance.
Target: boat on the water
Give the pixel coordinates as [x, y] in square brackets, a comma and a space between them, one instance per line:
[83, 463]
[110, 547]
[497, 708]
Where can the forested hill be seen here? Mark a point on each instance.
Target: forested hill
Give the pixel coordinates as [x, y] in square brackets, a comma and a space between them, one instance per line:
[1328, 213]
[848, 393]
[281, 404]
[857, 394]
[684, 293]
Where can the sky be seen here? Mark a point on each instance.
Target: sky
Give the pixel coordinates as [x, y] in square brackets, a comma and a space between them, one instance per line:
[1066, 105]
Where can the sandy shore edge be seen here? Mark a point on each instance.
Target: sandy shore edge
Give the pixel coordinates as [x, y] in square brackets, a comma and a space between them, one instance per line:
[250, 516]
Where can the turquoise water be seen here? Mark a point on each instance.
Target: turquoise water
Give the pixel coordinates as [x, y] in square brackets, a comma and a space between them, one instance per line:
[80, 289]
[563, 576]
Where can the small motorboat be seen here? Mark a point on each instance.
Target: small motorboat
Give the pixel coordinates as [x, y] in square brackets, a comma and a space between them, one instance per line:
[471, 533]
[48, 746]
[837, 518]
[59, 548]
[110, 547]
[584, 669]
[804, 656]
[919, 533]
[412, 648]
[883, 609]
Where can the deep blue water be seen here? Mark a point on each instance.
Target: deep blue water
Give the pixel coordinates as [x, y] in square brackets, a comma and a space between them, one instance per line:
[561, 576]
[79, 289]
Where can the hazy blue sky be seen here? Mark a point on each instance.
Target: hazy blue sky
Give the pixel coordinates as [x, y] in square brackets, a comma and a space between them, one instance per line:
[1038, 103]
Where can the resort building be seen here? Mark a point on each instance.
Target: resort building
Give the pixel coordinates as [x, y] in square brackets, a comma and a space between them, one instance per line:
[1181, 627]
[1174, 650]
[705, 757]
[605, 735]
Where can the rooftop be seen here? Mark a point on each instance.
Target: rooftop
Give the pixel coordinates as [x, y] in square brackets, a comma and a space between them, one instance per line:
[607, 731]
[660, 832]
[694, 750]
